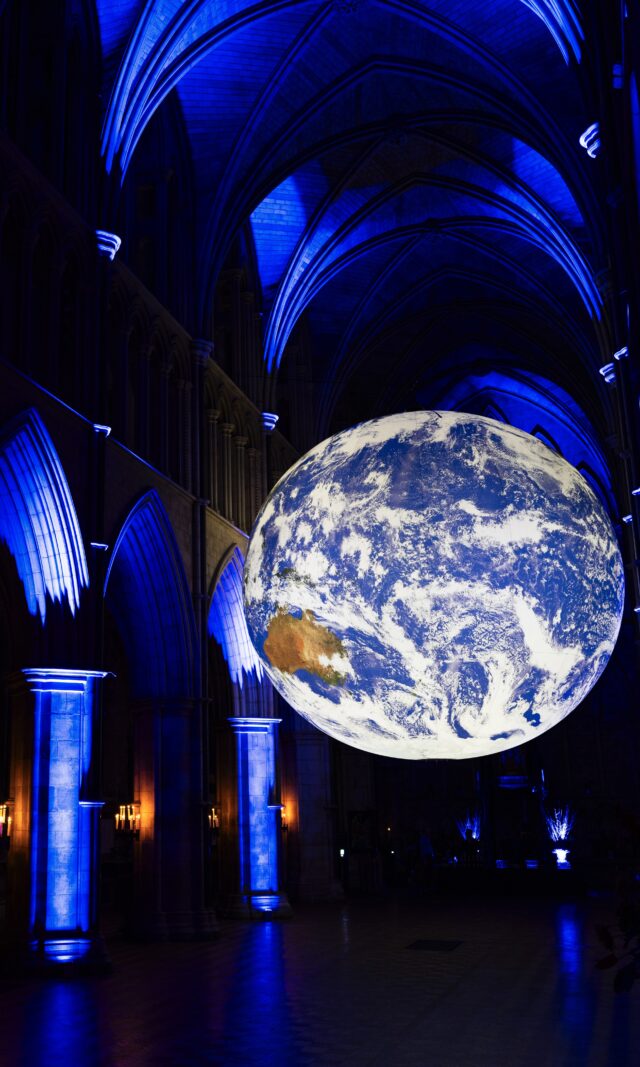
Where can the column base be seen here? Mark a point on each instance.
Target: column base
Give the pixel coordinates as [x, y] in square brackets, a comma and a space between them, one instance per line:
[259, 906]
[68, 955]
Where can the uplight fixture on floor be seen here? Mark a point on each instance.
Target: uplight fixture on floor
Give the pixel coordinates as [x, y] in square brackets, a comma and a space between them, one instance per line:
[559, 827]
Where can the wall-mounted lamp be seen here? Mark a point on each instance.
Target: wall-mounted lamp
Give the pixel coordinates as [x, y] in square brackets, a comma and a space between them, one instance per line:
[284, 819]
[128, 819]
[213, 821]
[6, 820]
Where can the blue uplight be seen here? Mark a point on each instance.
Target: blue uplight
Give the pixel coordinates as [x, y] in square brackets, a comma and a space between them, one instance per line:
[472, 823]
[38, 521]
[559, 824]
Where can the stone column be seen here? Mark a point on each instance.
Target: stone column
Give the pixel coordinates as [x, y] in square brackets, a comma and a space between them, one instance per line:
[143, 412]
[240, 510]
[214, 492]
[315, 839]
[259, 894]
[168, 896]
[201, 353]
[237, 352]
[165, 371]
[179, 474]
[57, 818]
[227, 477]
[186, 440]
[269, 421]
[255, 495]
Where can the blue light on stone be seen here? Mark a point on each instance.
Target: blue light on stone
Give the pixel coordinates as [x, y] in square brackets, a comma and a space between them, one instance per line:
[228, 627]
[590, 139]
[38, 521]
[562, 19]
[277, 224]
[147, 592]
[269, 421]
[258, 815]
[63, 846]
[108, 243]
[69, 950]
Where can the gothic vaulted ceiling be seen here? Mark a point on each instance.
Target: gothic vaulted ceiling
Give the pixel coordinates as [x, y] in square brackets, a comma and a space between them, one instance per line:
[407, 176]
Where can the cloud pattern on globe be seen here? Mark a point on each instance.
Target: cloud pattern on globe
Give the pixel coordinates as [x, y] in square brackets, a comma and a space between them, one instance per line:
[433, 584]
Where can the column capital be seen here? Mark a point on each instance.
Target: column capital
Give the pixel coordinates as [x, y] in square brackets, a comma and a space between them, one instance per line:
[213, 414]
[59, 679]
[240, 441]
[269, 420]
[227, 428]
[201, 350]
[108, 243]
[244, 725]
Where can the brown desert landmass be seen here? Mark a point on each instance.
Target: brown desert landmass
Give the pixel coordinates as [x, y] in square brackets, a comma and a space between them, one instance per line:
[294, 644]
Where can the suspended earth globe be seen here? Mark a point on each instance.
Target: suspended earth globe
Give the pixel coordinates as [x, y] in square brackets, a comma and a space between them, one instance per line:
[433, 584]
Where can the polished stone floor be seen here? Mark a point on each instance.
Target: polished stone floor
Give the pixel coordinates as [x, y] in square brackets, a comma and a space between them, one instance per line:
[371, 983]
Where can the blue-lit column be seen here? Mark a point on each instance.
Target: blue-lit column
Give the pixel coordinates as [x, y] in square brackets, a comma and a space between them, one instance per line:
[258, 820]
[63, 818]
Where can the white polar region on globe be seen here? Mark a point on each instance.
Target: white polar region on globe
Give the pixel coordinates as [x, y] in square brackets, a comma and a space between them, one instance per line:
[433, 585]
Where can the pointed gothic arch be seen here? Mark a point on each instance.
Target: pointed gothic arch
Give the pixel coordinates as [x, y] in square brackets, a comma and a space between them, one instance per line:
[147, 591]
[227, 626]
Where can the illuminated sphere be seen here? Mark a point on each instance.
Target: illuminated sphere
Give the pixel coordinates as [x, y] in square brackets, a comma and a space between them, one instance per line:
[433, 584]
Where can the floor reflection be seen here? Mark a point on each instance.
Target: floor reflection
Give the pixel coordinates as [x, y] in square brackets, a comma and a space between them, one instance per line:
[578, 988]
[258, 1021]
[61, 1027]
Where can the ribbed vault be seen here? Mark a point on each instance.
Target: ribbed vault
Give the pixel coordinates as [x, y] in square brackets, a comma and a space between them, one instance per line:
[406, 177]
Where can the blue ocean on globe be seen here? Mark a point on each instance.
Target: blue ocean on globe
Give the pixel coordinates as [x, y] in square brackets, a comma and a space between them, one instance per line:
[433, 585]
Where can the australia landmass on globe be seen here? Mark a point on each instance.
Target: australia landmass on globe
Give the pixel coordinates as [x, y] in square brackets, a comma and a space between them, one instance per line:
[302, 644]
